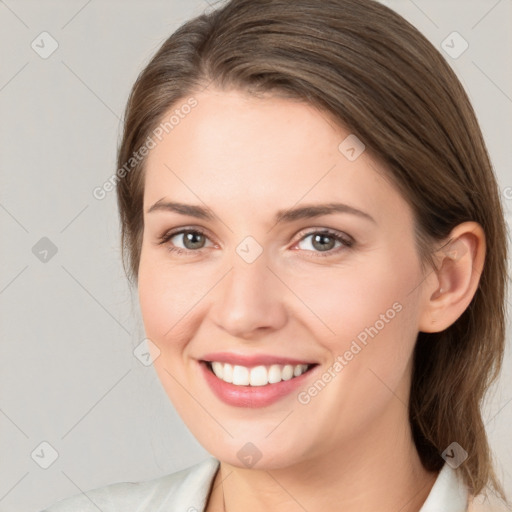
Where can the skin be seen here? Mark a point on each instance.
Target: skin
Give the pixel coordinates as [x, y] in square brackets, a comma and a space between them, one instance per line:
[350, 447]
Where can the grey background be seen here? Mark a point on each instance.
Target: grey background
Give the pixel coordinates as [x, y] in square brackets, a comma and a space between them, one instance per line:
[69, 325]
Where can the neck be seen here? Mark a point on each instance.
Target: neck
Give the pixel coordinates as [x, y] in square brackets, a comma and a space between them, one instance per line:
[378, 470]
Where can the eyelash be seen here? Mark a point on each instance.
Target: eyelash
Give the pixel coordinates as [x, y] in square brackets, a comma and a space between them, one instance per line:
[347, 241]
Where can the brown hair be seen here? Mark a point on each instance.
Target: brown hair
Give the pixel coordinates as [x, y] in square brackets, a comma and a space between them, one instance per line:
[375, 73]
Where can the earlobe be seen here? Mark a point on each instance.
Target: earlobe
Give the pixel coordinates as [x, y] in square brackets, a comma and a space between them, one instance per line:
[454, 282]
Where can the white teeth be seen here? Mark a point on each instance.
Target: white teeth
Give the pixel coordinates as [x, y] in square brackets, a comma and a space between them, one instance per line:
[297, 370]
[274, 374]
[240, 376]
[258, 375]
[218, 369]
[227, 373]
[287, 372]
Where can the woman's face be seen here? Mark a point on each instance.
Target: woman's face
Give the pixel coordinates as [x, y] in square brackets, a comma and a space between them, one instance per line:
[274, 282]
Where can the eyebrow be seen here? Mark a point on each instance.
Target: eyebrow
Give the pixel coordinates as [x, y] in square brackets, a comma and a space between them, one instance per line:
[288, 215]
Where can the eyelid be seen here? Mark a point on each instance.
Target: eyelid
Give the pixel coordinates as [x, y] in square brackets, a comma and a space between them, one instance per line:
[340, 236]
[327, 231]
[167, 235]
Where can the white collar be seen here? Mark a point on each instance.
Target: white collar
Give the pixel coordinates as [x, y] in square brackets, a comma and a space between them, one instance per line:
[448, 494]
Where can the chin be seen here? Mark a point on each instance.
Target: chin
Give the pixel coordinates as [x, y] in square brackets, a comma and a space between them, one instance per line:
[260, 453]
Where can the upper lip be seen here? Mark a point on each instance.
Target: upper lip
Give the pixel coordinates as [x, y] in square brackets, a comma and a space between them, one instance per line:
[253, 359]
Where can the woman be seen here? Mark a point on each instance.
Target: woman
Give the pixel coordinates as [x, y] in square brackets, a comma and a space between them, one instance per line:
[311, 219]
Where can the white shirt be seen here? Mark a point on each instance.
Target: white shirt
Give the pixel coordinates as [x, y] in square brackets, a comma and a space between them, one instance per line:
[188, 491]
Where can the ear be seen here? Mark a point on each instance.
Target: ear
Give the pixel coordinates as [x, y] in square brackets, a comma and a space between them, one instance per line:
[451, 286]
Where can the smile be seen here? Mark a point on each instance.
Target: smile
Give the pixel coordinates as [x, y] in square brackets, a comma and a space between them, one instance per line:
[258, 375]
[259, 382]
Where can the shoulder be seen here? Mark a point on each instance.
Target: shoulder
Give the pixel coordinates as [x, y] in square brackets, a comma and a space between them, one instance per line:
[187, 489]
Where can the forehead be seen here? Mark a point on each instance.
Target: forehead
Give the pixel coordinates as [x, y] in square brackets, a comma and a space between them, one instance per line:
[265, 153]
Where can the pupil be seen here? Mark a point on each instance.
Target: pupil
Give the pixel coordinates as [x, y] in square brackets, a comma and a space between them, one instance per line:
[191, 239]
[322, 246]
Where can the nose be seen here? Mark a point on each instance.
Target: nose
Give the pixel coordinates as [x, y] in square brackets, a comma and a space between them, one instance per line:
[250, 300]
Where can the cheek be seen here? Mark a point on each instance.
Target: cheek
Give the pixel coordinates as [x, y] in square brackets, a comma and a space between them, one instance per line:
[165, 298]
[159, 304]
[342, 304]
[167, 294]
[153, 297]
[374, 317]
[369, 320]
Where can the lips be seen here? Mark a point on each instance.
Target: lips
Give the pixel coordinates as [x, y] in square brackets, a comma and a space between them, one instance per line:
[255, 380]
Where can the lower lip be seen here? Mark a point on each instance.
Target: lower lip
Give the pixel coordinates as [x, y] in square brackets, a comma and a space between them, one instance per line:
[251, 396]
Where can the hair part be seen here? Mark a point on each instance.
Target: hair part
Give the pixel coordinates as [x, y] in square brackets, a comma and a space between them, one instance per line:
[373, 72]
